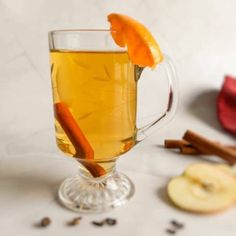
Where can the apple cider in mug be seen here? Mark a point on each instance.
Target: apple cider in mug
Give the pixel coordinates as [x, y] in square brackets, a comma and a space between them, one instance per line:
[99, 90]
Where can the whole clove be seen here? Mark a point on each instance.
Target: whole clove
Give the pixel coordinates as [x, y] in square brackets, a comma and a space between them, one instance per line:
[177, 224]
[46, 221]
[75, 221]
[100, 224]
[107, 221]
[174, 227]
[170, 231]
[110, 221]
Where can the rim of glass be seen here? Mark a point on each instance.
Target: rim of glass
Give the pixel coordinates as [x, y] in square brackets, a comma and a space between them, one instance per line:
[79, 30]
[53, 34]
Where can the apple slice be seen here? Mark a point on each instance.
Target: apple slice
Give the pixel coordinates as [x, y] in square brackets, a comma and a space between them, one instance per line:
[227, 169]
[203, 188]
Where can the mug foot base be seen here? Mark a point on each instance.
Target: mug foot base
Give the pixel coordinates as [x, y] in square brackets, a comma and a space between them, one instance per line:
[85, 194]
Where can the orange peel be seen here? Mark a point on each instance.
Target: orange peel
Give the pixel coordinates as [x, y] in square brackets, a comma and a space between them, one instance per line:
[142, 48]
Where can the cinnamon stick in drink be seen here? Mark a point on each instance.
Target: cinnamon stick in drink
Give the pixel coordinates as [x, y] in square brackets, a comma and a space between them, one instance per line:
[206, 145]
[95, 169]
[74, 133]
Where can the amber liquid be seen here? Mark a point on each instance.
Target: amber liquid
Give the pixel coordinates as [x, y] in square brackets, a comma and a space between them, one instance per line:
[100, 90]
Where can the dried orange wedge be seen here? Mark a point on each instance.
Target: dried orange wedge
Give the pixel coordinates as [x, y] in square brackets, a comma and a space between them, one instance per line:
[142, 47]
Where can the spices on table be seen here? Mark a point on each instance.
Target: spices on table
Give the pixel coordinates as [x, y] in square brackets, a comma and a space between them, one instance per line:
[107, 221]
[174, 227]
[46, 221]
[98, 223]
[75, 221]
[195, 144]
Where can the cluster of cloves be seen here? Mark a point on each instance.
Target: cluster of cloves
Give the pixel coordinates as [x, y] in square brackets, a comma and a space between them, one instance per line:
[174, 227]
[107, 221]
[46, 221]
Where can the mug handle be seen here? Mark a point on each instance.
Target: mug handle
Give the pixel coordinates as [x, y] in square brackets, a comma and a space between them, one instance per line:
[172, 103]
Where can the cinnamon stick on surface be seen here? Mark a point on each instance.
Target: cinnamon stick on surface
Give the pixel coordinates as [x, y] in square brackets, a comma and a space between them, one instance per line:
[175, 143]
[206, 145]
[187, 148]
[190, 150]
[184, 146]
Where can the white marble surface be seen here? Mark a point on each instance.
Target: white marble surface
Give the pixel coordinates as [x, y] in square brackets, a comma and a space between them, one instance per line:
[200, 36]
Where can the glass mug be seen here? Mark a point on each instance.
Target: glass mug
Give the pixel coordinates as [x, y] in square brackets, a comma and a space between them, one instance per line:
[94, 87]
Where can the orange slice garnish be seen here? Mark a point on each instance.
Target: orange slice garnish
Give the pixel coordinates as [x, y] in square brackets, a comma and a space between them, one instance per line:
[142, 48]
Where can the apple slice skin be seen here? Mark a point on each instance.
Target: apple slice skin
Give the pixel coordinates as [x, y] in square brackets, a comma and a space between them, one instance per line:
[226, 105]
[187, 192]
